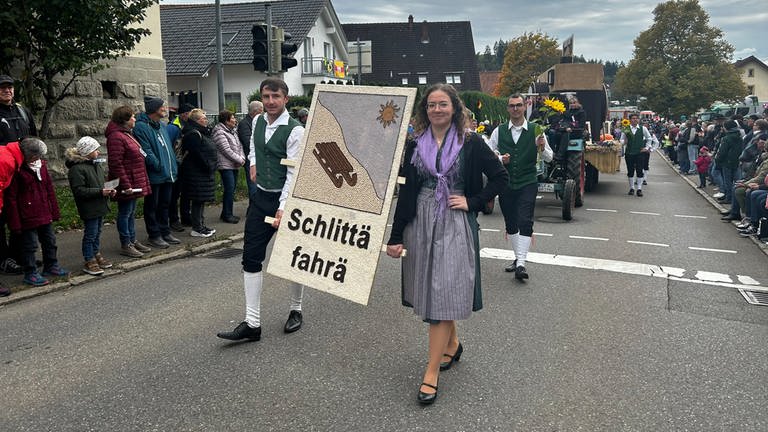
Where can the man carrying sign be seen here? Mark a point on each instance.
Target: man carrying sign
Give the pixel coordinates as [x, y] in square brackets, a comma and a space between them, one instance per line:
[275, 136]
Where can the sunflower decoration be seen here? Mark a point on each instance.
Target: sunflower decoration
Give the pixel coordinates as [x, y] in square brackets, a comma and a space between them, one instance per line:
[625, 127]
[551, 107]
[480, 128]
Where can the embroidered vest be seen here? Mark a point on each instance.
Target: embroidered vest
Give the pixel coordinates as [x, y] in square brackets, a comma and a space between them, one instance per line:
[270, 174]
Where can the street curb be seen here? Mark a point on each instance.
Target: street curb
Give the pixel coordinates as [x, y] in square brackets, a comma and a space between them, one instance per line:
[761, 245]
[120, 269]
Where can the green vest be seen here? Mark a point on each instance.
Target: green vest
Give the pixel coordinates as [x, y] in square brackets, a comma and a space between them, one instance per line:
[522, 156]
[270, 174]
[636, 141]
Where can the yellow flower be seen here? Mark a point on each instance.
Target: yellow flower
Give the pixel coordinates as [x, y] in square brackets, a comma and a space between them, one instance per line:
[555, 104]
[625, 122]
[480, 129]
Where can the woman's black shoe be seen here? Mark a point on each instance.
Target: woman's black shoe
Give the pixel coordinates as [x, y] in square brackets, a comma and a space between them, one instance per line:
[520, 273]
[444, 366]
[427, 398]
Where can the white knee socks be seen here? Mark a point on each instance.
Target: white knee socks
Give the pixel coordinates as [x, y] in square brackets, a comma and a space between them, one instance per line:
[631, 182]
[297, 292]
[521, 253]
[639, 183]
[520, 245]
[253, 283]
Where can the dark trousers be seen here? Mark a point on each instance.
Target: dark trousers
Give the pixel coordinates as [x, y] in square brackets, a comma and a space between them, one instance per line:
[10, 243]
[703, 179]
[156, 206]
[257, 232]
[634, 165]
[517, 207]
[196, 215]
[179, 207]
[29, 239]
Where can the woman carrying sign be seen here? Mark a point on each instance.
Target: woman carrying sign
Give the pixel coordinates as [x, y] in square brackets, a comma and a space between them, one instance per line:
[436, 222]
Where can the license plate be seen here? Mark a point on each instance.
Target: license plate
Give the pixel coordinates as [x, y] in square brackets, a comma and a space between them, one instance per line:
[546, 187]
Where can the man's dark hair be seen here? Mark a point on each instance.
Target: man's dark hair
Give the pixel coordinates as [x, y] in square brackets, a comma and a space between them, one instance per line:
[274, 84]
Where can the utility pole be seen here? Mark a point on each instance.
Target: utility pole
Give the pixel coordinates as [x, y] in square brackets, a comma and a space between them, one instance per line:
[219, 57]
[268, 14]
[359, 62]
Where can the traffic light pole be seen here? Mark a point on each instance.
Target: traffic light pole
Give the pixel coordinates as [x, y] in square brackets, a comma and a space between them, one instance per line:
[268, 14]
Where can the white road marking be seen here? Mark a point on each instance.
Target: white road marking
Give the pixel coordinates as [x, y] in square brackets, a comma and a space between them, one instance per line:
[646, 213]
[746, 280]
[543, 234]
[602, 210]
[671, 273]
[588, 238]
[712, 250]
[648, 243]
[554, 207]
[690, 216]
[539, 197]
[712, 276]
[489, 230]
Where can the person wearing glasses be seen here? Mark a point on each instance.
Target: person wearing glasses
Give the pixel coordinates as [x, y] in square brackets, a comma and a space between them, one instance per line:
[519, 144]
[436, 222]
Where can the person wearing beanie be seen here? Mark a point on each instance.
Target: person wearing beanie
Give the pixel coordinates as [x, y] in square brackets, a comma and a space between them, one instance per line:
[179, 210]
[31, 209]
[87, 173]
[162, 170]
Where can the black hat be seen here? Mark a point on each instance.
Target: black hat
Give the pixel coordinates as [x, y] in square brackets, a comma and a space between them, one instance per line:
[185, 108]
[5, 79]
[754, 116]
[152, 104]
[730, 125]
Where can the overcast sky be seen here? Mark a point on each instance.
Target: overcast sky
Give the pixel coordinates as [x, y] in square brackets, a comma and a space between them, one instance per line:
[602, 29]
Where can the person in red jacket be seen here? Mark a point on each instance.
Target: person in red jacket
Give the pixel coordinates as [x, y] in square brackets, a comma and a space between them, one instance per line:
[10, 161]
[702, 166]
[125, 159]
[31, 209]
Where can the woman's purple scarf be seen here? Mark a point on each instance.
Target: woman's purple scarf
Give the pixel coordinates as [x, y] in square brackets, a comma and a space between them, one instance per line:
[425, 161]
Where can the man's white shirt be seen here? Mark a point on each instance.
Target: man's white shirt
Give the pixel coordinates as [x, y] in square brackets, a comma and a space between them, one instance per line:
[516, 131]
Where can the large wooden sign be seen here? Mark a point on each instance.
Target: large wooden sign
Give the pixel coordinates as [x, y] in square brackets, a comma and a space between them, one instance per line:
[336, 216]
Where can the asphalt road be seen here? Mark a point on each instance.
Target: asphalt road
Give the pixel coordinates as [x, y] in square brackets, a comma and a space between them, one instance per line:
[588, 344]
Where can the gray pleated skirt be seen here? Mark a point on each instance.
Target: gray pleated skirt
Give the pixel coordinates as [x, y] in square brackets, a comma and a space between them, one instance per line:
[440, 274]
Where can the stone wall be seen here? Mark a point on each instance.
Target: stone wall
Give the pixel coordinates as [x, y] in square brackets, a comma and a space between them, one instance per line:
[88, 110]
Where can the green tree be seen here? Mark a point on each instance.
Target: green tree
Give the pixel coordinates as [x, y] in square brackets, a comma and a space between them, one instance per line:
[525, 58]
[680, 63]
[54, 42]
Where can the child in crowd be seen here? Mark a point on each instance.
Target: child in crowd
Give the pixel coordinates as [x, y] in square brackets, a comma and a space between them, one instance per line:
[30, 210]
[86, 179]
[702, 166]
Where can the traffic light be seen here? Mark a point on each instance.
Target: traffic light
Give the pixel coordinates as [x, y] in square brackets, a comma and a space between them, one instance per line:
[261, 48]
[283, 50]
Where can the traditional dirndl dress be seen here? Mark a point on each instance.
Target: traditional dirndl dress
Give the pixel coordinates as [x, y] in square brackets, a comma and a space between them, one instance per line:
[440, 273]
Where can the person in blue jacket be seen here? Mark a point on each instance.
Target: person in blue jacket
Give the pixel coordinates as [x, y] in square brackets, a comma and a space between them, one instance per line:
[162, 170]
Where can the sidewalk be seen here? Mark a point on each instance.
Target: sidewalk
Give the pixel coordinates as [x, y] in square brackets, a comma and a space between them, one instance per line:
[708, 193]
[71, 258]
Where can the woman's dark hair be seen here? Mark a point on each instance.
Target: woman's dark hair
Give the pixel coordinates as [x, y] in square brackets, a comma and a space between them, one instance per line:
[122, 114]
[225, 115]
[460, 118]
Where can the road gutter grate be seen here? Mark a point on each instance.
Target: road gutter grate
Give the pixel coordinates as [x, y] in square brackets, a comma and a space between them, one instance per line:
[224, 253]
[759, 298]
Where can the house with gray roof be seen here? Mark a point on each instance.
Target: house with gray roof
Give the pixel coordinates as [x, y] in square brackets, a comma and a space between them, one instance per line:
[189, 49]
[416, 53]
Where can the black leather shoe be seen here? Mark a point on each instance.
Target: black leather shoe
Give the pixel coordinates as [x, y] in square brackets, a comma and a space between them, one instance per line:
[177, 226]
[294, 322]
[242, 331]
[631, 192]
[230, 219]
[520, 273]
[427, 398]
[639, 192]
[444, 366]
[511, 267]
